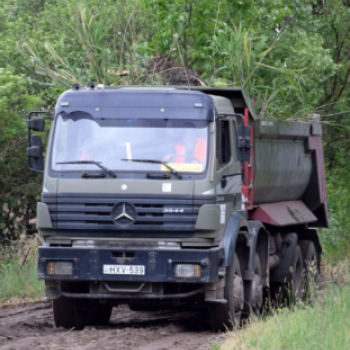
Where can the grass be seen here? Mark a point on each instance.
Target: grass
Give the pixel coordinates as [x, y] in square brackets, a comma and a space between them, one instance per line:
[18, 274]
[214, 346]
[326, 326]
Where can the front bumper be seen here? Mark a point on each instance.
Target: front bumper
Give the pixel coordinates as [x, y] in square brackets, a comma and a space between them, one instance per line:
[158, 263]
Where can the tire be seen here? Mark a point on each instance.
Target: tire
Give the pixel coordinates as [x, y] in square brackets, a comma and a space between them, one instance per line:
[253, 292]
[311, 263]
[98, 314]
[228, 315]
[69, 313]
[293, 289]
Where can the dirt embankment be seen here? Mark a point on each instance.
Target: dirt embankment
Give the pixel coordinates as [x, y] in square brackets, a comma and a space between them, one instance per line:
[31, 326]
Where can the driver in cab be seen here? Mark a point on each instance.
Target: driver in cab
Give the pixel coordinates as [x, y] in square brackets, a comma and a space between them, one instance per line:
[189, 147]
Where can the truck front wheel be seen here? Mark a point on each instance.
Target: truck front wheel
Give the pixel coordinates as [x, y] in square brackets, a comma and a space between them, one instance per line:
[228, 315]
[68, 313]
[98, 314]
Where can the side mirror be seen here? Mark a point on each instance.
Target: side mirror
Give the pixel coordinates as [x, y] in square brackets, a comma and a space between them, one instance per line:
[35, 147]
[243, 138]
[36, 124]
[35, 154]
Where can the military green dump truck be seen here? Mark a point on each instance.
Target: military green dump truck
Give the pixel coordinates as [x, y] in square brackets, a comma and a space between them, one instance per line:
[160, 197]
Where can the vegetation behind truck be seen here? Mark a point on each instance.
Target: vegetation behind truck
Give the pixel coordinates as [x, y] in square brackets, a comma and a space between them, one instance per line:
[158, 197]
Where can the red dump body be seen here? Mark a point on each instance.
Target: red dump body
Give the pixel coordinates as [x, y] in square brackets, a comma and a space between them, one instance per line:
[287, 179]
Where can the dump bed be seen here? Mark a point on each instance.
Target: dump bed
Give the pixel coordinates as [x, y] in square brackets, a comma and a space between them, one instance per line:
[282, 165]
[288, 168]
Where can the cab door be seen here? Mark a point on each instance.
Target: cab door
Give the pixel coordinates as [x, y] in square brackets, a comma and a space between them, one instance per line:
[228, 168]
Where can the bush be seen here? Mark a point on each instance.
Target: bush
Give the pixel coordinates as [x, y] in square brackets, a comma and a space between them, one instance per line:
[18, 273]
[336, 240]
[18, 186]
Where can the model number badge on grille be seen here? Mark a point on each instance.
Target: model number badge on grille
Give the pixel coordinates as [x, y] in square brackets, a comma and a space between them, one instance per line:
[173, 210]
[124, 269]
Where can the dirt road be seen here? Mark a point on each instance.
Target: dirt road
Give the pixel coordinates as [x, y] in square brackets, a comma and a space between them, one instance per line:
[31, 326]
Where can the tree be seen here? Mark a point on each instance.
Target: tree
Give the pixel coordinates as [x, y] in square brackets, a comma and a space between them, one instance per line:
[18, 187]
[96, 42]
[186, 28]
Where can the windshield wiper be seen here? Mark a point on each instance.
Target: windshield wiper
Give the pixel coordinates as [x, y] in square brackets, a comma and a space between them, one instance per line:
[106, 170]
[154, 161]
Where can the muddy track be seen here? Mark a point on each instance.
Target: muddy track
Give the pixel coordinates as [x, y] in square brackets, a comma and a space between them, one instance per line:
[31, 326]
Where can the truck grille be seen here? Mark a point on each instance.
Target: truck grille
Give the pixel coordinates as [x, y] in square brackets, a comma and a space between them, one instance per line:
[124, 215]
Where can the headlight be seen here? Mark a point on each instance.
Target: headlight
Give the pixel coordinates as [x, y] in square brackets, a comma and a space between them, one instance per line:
[59, 268]
[187, 270]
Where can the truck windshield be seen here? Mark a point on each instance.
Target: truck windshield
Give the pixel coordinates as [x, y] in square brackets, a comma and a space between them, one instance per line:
[78, 137]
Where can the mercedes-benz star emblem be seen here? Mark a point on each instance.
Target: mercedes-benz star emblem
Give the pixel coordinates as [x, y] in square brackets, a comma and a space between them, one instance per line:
[124, 213]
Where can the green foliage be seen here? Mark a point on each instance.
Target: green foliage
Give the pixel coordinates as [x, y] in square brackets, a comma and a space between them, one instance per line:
[14, 100]
[238, 58]
[325, 326]
[237, 54]
[274, 49]
[305, 66]
[292, 56]
[183, 28]
[336, 243]
[186, 28]
[214, 346]
[18, 187]
[95, 42]
[18, 275]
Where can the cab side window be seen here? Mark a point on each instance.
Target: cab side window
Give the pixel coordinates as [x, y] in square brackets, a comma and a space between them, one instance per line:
[223, 145]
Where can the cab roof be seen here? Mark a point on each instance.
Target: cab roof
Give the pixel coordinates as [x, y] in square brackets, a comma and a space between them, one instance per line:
[123, 103]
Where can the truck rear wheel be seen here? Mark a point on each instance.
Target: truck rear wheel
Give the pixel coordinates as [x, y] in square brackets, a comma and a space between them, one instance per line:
[68, 313]
[253, 291]
[311, 263]
[228, 315]
[293, 289]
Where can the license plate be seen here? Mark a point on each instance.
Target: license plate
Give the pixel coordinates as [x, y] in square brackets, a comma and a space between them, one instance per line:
[124, 269]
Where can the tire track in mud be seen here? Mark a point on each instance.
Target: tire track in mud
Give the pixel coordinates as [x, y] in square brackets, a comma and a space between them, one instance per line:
[31, 326]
